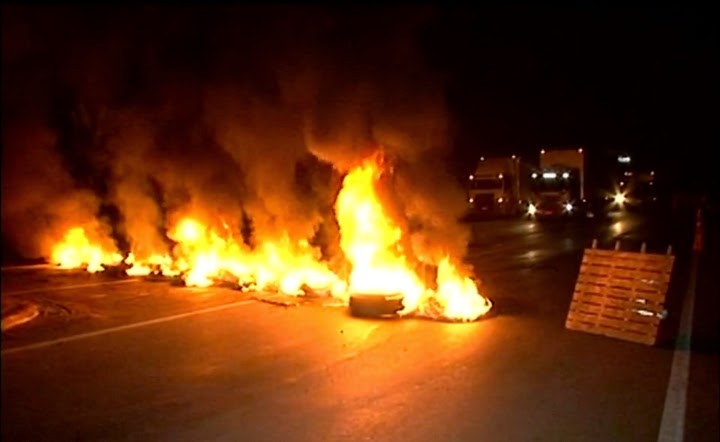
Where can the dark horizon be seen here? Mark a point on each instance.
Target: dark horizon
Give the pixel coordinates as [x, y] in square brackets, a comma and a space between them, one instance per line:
[516, 79]
[108, 108]
[635, 80]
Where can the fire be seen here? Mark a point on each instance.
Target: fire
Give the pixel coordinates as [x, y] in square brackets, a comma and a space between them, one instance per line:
[372, 244]
[76, 251]
[160, 264]
[371, 241]
[458, 295]
[204, 256]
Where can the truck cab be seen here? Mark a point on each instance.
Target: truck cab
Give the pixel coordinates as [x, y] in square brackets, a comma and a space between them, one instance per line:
[558, 185]
[555, 191]
[639, 191]
[496, 187]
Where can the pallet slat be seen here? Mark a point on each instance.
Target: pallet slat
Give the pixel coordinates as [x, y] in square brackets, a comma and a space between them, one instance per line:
[618, 334]
[620, 294]
[650, 273]
[584, 288]
[631, 256]
[632, 305]
[614, 317]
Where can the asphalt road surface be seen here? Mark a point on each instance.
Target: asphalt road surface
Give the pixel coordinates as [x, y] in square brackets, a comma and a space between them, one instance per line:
[111, 358]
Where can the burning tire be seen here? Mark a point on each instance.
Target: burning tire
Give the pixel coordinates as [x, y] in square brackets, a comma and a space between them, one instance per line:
[375, 305]
[116, 271]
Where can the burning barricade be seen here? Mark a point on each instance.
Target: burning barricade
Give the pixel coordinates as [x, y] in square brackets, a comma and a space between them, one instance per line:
[381, 276]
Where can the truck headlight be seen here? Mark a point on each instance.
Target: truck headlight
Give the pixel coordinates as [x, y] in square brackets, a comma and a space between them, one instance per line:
[620, 198]
[568, 207]
[532, 209]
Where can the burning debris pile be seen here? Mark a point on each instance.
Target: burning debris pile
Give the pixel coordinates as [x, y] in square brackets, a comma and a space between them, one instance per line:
[370, 240]
[264, 172]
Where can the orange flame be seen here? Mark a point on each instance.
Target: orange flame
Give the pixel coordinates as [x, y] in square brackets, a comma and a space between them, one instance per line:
[369, 238]
[204, 257]
[161, 264]
[371, 242]
[75, 251]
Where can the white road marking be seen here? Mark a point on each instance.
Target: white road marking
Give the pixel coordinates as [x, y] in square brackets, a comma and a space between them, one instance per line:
[25, 314]
[126, 327]
[28, 267]
[69, 287]
[672, 426]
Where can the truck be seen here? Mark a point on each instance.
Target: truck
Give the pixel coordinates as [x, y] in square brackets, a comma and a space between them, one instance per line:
[499, 186]
[638, 190]
[558, 185]
[631, 187]
[620, 172]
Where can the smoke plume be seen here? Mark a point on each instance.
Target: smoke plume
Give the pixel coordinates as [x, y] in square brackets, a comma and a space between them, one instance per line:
[225, 113]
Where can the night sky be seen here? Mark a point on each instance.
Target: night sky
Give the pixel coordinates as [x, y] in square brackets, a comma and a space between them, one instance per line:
[636, 80]
[110, 108]
[518, 78]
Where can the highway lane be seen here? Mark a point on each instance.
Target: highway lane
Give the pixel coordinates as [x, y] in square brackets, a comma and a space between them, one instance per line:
[260, 372]
[218, 365]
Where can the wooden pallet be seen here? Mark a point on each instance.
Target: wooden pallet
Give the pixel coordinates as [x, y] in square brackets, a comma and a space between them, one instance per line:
[621, 294]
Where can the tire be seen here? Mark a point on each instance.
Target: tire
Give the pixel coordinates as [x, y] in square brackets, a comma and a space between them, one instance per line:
[378, 306]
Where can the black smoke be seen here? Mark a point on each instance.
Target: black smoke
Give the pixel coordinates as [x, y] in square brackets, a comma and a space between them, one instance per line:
[122, 119]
